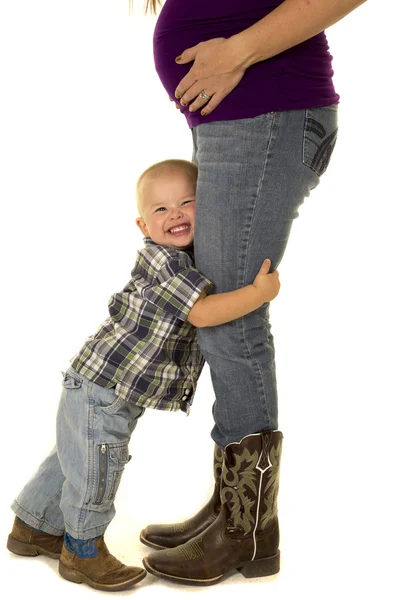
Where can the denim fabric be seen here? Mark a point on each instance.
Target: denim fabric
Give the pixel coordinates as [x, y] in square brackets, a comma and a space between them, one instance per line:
[75, 486]
[253, 176]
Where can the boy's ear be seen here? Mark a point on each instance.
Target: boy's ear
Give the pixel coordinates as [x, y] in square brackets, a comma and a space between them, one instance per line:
[142, 226]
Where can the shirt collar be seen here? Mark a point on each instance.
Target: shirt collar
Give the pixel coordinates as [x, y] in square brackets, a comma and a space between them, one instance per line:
[149, 242]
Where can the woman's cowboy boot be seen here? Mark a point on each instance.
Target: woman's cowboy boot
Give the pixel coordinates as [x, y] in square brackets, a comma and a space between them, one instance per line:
[245, 535]
[97, 568]
[170, 536]
[27, 541]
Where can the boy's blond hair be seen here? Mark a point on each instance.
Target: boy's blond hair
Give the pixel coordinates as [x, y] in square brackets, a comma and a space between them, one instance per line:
[171, 164]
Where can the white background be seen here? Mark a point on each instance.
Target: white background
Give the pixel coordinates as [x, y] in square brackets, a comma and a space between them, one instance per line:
[82, 114]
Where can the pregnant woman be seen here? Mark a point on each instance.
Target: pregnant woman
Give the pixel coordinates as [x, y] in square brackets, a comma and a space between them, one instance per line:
[254, 81]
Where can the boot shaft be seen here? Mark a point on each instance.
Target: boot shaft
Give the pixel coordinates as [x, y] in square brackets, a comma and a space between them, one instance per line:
[27, 541]
[250, 483]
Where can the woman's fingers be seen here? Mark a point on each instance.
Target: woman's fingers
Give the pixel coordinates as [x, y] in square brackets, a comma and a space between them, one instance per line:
[197, 96]
[217, 88]
[213, 103]
[187, 56]
[204, 63]
[213, 75]
[176, 105]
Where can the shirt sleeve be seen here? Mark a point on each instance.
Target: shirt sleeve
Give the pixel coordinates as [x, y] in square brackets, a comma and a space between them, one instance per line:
[176, 289]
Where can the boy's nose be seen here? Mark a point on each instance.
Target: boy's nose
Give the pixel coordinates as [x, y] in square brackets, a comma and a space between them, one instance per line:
[176, 213]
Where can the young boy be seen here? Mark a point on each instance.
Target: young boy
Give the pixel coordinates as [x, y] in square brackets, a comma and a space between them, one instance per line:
[143, 355]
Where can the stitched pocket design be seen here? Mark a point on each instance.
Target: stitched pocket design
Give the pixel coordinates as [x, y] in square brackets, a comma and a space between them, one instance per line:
[320, 135]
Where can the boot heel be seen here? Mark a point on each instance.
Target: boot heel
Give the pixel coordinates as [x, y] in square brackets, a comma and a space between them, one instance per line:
[261, 567]
[21, 548]
[69, 573]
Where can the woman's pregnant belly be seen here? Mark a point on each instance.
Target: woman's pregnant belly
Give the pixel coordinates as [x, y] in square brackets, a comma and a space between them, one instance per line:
[185, 23]
[300, 77]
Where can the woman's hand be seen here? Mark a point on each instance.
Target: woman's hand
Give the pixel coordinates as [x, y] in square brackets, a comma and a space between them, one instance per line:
[217, 69]
[176, 105]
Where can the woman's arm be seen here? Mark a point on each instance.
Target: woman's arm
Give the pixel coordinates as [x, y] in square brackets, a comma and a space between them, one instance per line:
[216, 309]
[219, 64]
[291, 23]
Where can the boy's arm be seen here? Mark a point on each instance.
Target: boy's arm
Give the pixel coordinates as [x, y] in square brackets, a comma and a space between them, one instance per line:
[217, 309]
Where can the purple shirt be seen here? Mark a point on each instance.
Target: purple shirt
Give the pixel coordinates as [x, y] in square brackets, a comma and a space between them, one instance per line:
[300, 77]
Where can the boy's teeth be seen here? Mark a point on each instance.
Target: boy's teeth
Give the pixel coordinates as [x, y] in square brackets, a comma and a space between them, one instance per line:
[180, 228]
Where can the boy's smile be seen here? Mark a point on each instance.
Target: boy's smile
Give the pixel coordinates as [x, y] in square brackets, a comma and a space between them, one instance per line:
[182, 229]
[167, 208]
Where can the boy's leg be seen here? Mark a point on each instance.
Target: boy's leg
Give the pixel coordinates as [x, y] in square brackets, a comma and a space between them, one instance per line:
[75, 486]
[94, 427]
[38, 504]
[39, 524]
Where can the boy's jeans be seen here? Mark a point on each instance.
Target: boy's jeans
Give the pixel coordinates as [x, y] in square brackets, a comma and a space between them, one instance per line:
[74, 488]
[253, 176]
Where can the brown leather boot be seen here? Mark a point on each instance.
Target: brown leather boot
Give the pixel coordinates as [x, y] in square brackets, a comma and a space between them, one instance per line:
[26, 541]
[245, 535]
[170, 536]
[102, 571]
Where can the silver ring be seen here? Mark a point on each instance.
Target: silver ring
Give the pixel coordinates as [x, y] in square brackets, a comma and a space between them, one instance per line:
[204, 95]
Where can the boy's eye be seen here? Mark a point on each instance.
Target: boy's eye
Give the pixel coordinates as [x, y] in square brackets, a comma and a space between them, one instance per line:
[187, 202]
[160, 209]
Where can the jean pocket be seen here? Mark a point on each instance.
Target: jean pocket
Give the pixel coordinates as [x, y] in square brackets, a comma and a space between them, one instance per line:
[110, 461]
[319, 139]
[117, 401]
[71, 381]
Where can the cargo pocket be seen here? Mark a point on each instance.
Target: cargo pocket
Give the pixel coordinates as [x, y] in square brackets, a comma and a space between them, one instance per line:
[319, 139]
[110, 461]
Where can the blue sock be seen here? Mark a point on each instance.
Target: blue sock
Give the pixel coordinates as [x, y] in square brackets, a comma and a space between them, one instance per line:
[30, 527]
[82, 548]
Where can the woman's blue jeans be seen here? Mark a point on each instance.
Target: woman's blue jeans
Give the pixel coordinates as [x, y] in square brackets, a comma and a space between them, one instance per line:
[253, 176]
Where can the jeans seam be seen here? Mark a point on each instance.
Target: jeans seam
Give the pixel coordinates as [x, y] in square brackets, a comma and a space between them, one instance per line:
[52, 498]
[246, 345]
[90, 454]
[260, 183]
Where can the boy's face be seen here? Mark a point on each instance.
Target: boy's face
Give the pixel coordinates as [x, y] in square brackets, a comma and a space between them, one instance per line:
[167, 205]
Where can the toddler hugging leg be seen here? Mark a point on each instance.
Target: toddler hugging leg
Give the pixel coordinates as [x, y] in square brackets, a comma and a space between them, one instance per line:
[66, 507]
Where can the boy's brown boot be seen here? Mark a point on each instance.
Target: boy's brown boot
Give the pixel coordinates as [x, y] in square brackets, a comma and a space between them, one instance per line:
[102, 571]
[26, 541]
[170, 536]
[245, 535]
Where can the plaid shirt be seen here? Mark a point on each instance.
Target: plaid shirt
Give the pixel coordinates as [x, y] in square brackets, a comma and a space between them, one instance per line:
[146, 348]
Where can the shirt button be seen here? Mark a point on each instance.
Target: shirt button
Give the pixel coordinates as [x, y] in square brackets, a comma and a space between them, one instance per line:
[187, 391]
[184, 398]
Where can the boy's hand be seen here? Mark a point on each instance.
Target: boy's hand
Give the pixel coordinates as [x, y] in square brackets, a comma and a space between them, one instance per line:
[266, 283]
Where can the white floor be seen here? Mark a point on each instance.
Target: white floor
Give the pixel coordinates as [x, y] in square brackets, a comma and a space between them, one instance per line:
[307, 572]
[338, 526]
